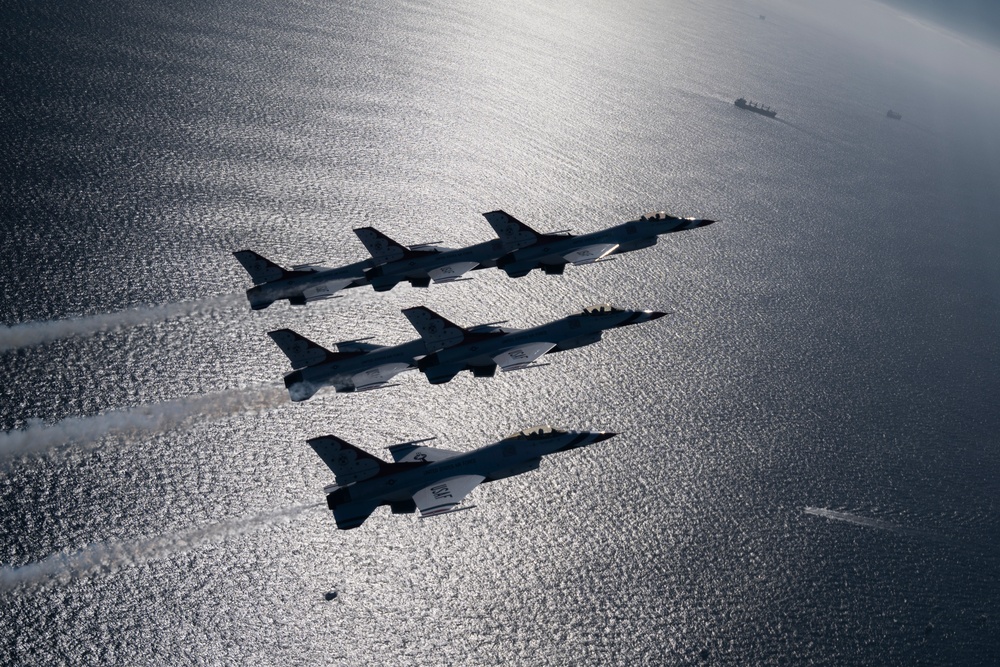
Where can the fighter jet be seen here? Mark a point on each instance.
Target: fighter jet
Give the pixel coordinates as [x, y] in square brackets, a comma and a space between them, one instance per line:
[302, 284]
[309, 282]
[355, 366]
[433, 481]
[452, 349]
[396, 263]
[553, 251]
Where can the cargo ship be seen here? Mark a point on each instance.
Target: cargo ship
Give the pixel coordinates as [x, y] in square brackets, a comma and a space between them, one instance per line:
[756, 108]
[892, 114]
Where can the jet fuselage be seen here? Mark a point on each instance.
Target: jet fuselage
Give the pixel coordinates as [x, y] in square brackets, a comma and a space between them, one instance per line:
[480, 349]
[322, 282]
[355, 371]
[553, 251]
[449, 264]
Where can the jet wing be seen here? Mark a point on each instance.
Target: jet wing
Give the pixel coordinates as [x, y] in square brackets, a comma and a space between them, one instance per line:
[373, 378]
[519, 357]
[446, 274]
[409, 452]
[442, 496]
[354, 514]
[325, 290]
[443, 373]
[590, 254]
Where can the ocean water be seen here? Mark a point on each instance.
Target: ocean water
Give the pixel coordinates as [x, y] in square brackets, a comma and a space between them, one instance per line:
[807, 471]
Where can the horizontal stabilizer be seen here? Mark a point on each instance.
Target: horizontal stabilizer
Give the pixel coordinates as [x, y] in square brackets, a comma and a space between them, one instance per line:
[352, 515]
[383, 283]
[441, 374]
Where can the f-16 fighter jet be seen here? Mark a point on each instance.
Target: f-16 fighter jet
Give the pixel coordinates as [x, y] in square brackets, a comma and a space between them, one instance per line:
[552, 252]
[301, 284]
[396, 263]
[433, 481]
[355, 366]
[452, 349]
[310, 282]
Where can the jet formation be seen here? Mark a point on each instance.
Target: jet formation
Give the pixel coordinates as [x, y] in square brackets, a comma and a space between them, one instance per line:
[422, 479]
[443, 350]
[517, 250]
[427, 479]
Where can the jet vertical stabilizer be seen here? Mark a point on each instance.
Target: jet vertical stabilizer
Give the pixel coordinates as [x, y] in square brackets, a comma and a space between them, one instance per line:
[384, 250]
[261, 269]
[436, 332]
[301, 351]
[512, 232]
[349, 463]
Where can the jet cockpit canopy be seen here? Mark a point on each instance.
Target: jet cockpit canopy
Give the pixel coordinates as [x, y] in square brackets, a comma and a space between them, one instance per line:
[535, 433]
[657, 215]
[601, 309]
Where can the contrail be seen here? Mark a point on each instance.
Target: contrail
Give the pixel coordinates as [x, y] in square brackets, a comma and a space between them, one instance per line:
[109, 557]
[36, 333]
[133, 423]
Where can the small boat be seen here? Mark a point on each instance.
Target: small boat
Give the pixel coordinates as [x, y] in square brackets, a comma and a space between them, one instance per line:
[892, 114]
[756, 108]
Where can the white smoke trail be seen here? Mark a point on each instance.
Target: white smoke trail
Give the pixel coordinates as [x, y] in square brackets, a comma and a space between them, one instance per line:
[109, 557]
[133, 423]
[36, 333]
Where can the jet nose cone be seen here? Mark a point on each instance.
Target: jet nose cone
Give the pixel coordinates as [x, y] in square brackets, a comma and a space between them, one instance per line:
[705, 223]
[656, 314]
[604, 435]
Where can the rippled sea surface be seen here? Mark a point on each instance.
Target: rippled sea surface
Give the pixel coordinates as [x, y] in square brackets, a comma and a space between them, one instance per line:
[807, 471]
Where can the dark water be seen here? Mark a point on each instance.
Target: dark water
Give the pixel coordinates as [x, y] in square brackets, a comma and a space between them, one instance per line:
[807, 471]
[979, 19]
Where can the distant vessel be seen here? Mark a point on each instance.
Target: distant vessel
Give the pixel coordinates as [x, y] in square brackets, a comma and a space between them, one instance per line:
[756, 108]
[892, 114]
